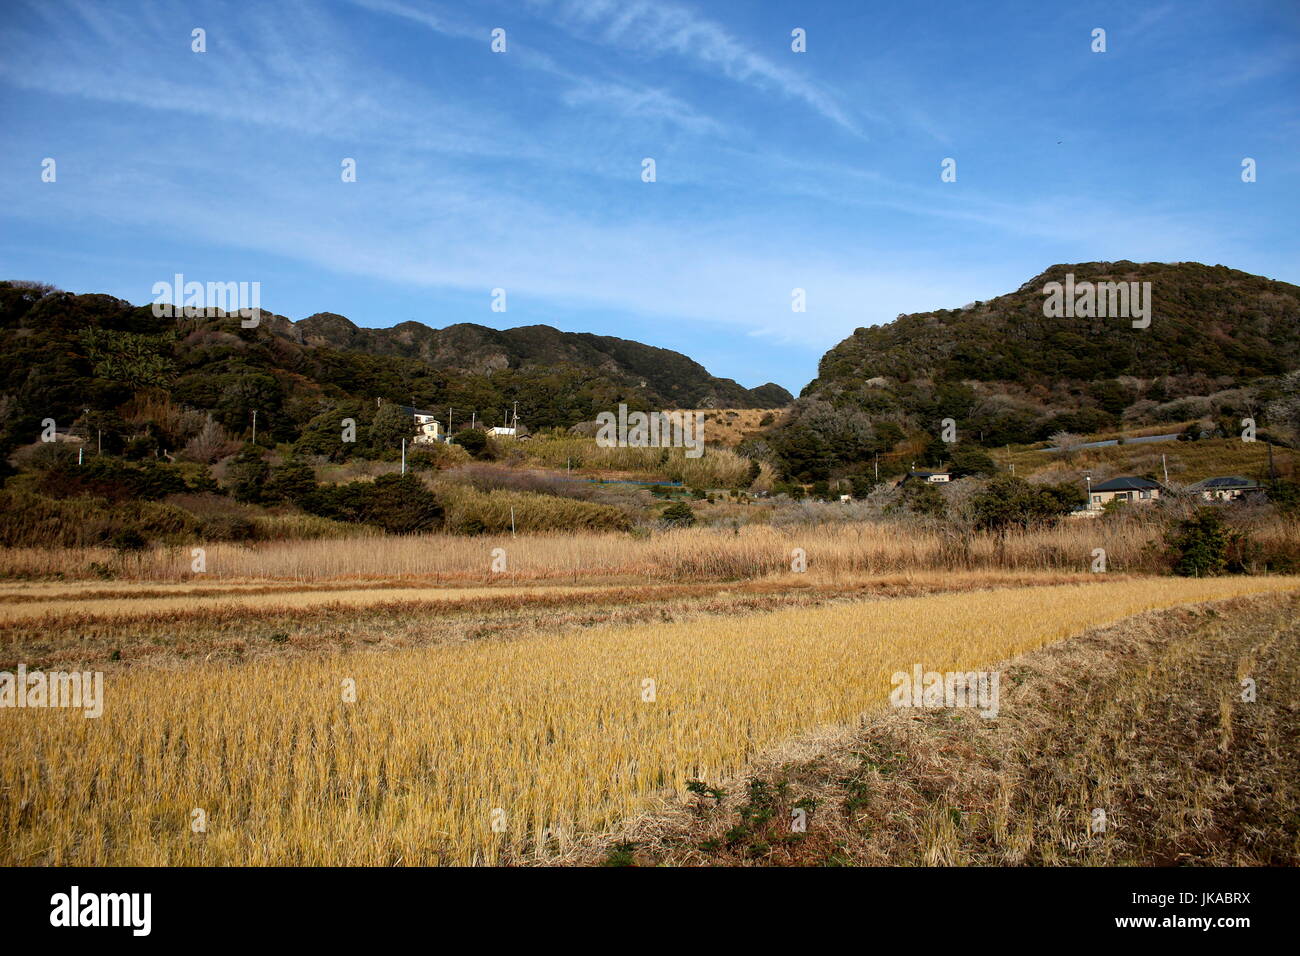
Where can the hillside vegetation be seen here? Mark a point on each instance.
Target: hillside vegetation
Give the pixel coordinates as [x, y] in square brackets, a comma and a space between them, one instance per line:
[155, 446]
[1218, 349]
[102, 364]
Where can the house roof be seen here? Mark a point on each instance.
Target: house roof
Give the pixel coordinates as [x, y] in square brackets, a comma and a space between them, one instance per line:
[1226, 481]
[920, 476]
[1128, 483]
[411, 410]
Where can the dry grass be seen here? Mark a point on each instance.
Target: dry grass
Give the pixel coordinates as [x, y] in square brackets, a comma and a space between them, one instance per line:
[717, 467]
[688, 554]
[728, 427]
[552, 730]
[71, 610]
[497, 510]
[1188, 462]
[1143, 721]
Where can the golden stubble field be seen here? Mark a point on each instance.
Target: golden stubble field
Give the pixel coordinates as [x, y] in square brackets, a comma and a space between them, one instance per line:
[495, 750]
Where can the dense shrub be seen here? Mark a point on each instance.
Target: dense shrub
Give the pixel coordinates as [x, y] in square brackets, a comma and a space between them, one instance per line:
[475, 441]
[429, 457]
[1285, 495]
[967, 460]
[678, 515]
[923, 498]
[293, 481]
[323, 434]
[112, 479]
[1203, 545]
[1009, 502]
[248, 476]
[400, 504]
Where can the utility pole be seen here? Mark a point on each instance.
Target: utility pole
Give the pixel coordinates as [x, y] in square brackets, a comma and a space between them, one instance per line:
[877, 462]
[101, 442]
[516, 421]
[512, 521]
[255, 426]
[473, 418]
[1165, 466]
[403, 456]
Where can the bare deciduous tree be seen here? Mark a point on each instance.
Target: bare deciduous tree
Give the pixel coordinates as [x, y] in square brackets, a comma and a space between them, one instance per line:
[209, 444]
[1067, 443]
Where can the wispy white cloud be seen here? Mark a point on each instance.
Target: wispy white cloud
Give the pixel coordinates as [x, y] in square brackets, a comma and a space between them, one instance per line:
[658, 28]
[286, 69]
[643, 103]
[617, 95]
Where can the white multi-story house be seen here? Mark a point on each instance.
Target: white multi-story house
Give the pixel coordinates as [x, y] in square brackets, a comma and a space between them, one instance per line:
[427, 428]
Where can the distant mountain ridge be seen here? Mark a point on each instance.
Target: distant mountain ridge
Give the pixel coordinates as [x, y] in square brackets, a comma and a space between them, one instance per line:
[676, 379]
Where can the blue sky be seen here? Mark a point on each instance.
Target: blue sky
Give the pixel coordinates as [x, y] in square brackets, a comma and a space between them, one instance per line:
[522, 170]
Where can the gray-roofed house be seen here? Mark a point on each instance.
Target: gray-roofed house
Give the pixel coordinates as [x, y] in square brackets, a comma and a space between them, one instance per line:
[1129, 488]
[1225, 488]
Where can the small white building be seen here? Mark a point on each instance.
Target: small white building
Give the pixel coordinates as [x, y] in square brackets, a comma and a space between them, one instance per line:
[501, 432]
[929, 477]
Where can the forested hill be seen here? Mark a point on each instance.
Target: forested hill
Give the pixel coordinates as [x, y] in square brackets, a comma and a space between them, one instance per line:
[1207, 320]
[1217, 349]
[66, 354]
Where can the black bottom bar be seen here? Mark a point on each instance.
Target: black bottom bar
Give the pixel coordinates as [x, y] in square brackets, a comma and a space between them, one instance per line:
[923, 906]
